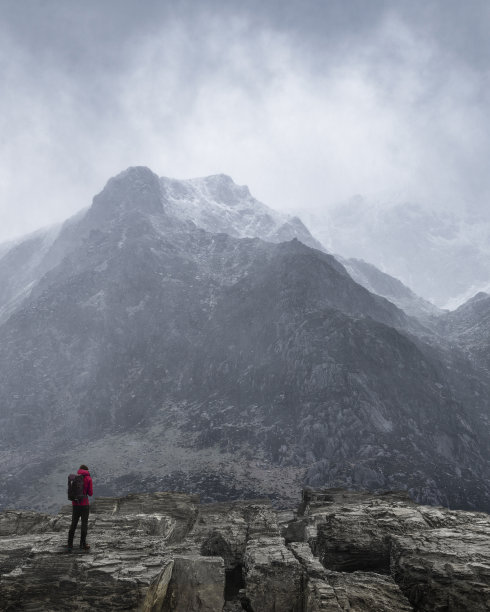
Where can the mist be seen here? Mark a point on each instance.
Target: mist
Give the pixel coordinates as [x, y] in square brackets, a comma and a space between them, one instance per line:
[307, 104]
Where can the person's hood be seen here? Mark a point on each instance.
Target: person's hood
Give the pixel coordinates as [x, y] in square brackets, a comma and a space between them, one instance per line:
[84, 472]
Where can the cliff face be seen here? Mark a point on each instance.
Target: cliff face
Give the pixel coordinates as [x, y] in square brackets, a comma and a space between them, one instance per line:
[167, 552]
[224, 365]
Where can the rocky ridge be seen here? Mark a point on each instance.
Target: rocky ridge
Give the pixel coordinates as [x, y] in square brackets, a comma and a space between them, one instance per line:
[167, 552]
[213, 203]
[216, 204]
[469, 327]
[392, 289]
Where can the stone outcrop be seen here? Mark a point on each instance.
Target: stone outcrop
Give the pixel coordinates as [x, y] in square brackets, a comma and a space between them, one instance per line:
[445, 568]
[332, 591]
[272, 575]
[440, 559]
[167, 552]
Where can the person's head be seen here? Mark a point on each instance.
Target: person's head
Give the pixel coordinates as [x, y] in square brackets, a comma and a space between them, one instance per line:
[84, 467]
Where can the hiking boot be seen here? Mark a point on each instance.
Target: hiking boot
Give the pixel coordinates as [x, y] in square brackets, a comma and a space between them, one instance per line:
[85, 546]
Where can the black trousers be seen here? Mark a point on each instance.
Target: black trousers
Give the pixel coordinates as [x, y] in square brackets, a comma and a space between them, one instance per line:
[77, 513]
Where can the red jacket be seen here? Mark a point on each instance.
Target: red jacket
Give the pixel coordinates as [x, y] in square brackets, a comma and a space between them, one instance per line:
[87, 488]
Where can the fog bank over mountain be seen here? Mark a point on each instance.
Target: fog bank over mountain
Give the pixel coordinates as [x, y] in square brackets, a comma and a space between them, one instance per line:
[444, 256]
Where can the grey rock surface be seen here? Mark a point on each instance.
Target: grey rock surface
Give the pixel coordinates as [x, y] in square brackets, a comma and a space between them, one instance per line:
[440, 559]
[197, 583]
[469, 327]
[273, 576]
[167, 552]
[445, 568]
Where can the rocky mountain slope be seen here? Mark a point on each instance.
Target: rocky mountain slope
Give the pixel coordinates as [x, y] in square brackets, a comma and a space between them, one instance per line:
[392, 289]
[21, 268]
[166, 551]
[169, 356]
[469, 327]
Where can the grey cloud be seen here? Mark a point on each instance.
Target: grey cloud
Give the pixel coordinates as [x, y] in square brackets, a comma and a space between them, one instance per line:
[306, 102]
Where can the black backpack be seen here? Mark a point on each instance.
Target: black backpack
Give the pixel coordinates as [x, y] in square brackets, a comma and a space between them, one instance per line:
[75, 487]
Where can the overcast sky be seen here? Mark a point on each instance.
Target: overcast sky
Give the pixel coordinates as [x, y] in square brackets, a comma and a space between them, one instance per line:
[307, 102]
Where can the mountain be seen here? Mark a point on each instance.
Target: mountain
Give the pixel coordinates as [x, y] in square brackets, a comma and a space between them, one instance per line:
[21, 266]
[442, 256]
[213, 203]
[469, 327]
[169, 356]
[25, 261]
[392, 289]
[217, 204]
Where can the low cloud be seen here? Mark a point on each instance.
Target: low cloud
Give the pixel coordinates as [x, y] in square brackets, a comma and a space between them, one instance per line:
[385, 112]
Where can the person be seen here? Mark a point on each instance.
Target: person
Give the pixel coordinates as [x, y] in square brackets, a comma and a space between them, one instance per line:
[80, 510]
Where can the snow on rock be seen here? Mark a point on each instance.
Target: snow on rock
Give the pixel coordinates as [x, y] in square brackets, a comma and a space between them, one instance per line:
[218, 205]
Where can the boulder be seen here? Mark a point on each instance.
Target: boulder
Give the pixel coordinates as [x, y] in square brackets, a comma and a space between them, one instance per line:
[273, 576]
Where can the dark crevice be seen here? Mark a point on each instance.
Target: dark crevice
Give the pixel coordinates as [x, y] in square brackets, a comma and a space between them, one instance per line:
[354, 561]
[234, 582]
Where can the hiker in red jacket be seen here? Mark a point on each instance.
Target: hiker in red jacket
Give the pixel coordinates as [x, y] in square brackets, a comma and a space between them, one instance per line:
[81, 510]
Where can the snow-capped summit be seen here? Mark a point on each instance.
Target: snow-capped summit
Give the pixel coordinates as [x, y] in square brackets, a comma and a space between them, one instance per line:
[214, 203]
[217, 204]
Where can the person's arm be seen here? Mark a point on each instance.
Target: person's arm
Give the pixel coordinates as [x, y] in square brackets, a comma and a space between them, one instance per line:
[90, 490]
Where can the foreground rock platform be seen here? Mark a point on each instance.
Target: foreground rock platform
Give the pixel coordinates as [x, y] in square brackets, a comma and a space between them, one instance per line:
[339, 551]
